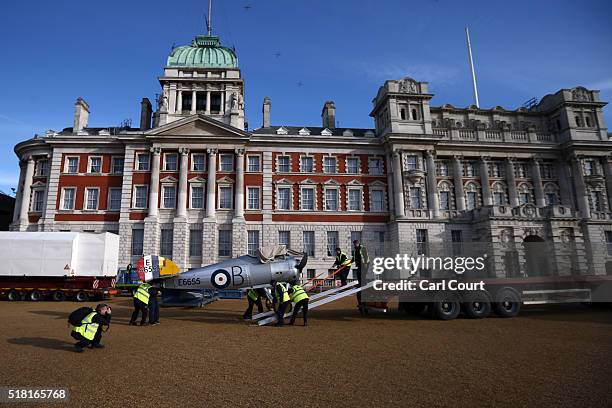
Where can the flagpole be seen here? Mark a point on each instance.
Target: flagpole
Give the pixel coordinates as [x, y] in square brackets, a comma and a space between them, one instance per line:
[209, 18]
[469, 46]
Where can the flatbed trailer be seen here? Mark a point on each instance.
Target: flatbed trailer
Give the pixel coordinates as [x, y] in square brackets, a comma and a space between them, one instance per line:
[39, 288]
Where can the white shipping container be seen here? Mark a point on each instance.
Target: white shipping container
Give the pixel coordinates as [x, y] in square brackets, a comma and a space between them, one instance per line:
[59, 254]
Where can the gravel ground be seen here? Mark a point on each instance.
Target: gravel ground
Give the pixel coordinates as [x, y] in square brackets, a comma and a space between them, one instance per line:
[548, 356]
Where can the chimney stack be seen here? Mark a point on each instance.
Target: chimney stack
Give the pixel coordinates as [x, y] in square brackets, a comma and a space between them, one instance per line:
[329, 115]
[145, 114]
[81, 115]
[266, 112]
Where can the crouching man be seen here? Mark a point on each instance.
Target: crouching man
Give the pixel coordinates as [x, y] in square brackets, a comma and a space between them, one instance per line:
[89, 332]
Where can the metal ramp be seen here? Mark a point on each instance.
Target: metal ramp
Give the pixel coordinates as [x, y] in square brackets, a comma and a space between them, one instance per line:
[326, 298]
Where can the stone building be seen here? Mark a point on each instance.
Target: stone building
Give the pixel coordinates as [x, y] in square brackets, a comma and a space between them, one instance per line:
[194, 184]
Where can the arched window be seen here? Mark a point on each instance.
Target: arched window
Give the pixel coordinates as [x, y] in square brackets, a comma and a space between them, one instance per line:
[525, 193]
[472, 195]
[551, 194]
[499, 194]
[403, 113]
[415, 115]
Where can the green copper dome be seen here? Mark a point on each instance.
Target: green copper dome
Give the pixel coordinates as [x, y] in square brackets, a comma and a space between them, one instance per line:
[204, 52]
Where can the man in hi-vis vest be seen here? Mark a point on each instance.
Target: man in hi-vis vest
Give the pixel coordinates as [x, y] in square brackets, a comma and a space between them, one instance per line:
[300, 298]
[141, 304]
[89, 332]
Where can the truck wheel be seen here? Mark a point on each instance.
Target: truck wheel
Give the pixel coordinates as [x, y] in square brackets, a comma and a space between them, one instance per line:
[13, 295]
[81, 296]
[59, 296]
[35, 296]
[477, 305]
[445, 307]
[507, 303]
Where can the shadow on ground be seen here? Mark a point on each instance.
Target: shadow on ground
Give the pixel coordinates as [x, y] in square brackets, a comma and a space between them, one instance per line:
[42, 342]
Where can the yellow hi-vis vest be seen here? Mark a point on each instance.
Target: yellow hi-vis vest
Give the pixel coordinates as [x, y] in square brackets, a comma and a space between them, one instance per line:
[252, 294]
[346, 260]
[298, 294]
[87, 328]
[285, 293]
[142, 293]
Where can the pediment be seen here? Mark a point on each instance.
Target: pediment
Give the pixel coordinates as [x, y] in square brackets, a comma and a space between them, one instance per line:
[198, 126]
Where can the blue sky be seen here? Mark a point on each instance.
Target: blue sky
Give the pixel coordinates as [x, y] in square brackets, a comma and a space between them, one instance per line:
[300, 53]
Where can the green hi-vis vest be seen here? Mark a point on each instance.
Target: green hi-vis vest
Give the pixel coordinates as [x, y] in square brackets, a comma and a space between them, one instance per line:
[142, 293]
[252, 294]
[285, 293]
[87, 328]
[346, 260]
[298, 294]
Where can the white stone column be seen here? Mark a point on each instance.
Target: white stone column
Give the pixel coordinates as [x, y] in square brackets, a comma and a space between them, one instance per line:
[608, 173]
[432, 194]
[208, 102]
[154, 185]
[537, 183]
[211, 185]
[239, 193]
[172, 99]
[398, 185]
[487, 199]
[181, 210]
[193, 102]
[388, 166]
[458, 181]
[27, 191]
[17, 209]
[582, 197]
[179, 101]
[511, 181]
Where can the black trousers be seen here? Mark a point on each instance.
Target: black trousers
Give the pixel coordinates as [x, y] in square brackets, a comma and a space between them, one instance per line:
[153, 310]
[280, 313]
[302, 304]
[344, 275]
[83, 342]
[249, 312]
[358, 275]
[139, 307]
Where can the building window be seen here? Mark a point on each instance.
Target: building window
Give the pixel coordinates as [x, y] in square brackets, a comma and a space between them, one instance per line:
[589, 168]
[442, 169]
[472, 200]
[225, 197]
[354, 199]
[200, 101]
[91, 198]
[332, 242]
[524, 198]
[195, 243]
[253, 198]
[307, 199]
[310, 273]
[117, 165]
[470, 169]
[578, 121]
[415, 197]
[253, 164]
[225, 243]
[329, 165]
[137, 241]
[114, 199]
[307, 164]
[414, 113]
[165, 242]
[95, 164]
[284, 164]
[377, 201]
[412, 162]
[551, 199]
[309, 242]
[355, 236]
[597, 199]
[352, 165]
[198, 162]
[170, 162]
[547, 170]
[197, 197]
[375, 166]
[421, 239]
[252, 242]
[520, 170]
[186, 97]
[331, 199]
[143, 162]
[284, 238]
[215, 102]
[38, 200]
[609, 242]
[42, 168]
[457, 242]
[169, 196]
[497, 170]
[444, 200]
[140, 196]
[403, 113]
[498, 198]
[72, 165]
[284, 198]
[226, 162]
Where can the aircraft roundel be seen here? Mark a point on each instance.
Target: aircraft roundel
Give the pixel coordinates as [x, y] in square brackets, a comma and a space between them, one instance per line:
[220, 279]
